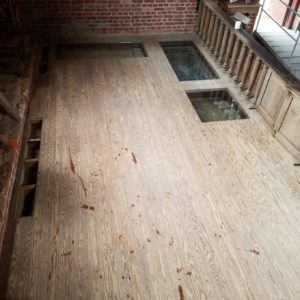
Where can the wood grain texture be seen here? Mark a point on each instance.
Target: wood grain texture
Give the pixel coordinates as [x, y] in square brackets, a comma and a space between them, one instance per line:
[22, 261]
[174, 207]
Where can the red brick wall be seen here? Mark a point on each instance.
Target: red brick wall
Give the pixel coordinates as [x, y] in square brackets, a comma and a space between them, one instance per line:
[107, 16]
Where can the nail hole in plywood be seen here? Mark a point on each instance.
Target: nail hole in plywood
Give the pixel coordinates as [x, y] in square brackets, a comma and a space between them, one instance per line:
[27, 200]
[36, 129]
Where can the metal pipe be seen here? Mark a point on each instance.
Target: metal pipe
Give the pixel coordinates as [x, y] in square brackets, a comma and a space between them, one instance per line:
[294, 48]
[290, 8]
[280, 26]
[260, 12]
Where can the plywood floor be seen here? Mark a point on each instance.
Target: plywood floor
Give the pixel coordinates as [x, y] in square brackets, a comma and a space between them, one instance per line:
[173, 208]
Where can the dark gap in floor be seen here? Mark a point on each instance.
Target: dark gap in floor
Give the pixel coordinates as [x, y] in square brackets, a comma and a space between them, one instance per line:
[30, 173]
[33, 149]
[36, 129]
[44, 59]
[30, 168]
[43, 67]
[28, 199]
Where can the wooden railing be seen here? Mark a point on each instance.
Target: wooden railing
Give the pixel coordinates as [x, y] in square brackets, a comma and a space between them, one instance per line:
[267, 83]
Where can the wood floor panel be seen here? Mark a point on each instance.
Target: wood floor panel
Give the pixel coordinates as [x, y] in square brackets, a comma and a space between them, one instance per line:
[19, 286]
[138, 199]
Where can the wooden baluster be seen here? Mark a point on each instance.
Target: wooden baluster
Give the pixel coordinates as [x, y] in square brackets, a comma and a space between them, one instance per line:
[210, 30]
[260, 82]
[214, 36]
[228, 50]
[224, 44]
[208, 14]
[219, 39]
[202, 21]
[240, 63]
[234, 57]
[246, 69]
[199, 17]
[253, 75]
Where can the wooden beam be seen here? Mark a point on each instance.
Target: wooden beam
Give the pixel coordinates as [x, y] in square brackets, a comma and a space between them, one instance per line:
[12, 112]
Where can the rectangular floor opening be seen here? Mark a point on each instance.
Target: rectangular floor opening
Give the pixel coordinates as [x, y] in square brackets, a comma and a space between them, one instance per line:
[30, 168]
[90, 51]
[187, 61]
[216, 106]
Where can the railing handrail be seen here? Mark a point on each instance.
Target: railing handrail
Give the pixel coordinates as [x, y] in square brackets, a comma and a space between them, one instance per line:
[277, 66]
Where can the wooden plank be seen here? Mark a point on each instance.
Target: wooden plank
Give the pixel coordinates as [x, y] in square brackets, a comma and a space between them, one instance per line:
[8, 108]
[34, 140]
[204, 85]
[31, 161]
